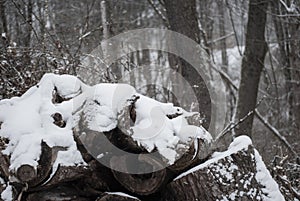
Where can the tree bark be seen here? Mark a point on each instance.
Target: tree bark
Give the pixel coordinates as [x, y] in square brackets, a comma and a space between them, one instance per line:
[252, 65]
[212, 183]
[182, 19]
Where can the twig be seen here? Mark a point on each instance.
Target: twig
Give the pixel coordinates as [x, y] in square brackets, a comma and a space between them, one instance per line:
[233, 27]
[257, 114]
[164, 19]
[220, 38]
[275, 132]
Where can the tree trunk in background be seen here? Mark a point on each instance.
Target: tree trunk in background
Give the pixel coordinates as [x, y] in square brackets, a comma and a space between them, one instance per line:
[29, 23]
[3, 16]
[5, 41]
[252, 64]
[281, 30]
[295, 71]
[222, 33]
[287, 29]
[182, 19]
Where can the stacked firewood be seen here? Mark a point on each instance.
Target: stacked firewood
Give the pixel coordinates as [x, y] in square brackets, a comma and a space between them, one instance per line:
[96, 181]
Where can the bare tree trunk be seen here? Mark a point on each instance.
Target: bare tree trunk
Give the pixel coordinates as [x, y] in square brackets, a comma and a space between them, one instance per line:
[4, 40]
[281, 30]
[3, 16]
[252, 65]
[222, 33]
[295, 73]
[182, 18]
[106, 17]
[29, 24]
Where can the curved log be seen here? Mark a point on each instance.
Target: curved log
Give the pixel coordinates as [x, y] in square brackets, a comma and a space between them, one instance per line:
[142, 184]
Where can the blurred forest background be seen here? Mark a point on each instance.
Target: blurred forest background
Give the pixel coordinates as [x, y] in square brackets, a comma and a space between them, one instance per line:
[54, 36]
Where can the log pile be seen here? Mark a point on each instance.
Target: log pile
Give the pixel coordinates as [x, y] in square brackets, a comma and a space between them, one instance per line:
[105, 173]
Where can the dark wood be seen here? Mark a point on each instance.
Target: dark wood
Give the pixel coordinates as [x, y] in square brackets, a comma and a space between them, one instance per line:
[252, 64]
[182, 17]
[143, 184]
[35, 176]
[211, 183]
[4, 160]
[191, 158]
[58, 120]
[26, 173]
[66, 192]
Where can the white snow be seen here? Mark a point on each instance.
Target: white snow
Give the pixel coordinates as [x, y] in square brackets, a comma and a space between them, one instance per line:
[264, 177]
[6, 195]
[239, 143]
[154, 129]
[122, 194]
[27, 120]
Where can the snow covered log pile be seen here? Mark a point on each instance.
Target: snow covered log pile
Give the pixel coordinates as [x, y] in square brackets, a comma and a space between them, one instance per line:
[64, 140]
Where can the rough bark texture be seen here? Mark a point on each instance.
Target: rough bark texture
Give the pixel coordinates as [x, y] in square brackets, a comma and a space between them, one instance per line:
[252, 64]
[182, 19]
[213, 183]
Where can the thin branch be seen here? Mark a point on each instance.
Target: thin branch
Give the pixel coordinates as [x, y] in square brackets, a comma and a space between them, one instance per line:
[275, 132]
[257, 114]
[220, 38]
[233, 27]
[164, 19]
[25, 19]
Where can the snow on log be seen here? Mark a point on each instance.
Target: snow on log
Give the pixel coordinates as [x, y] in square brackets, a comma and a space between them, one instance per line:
[55, 138]
[236, 174]
[46, 134]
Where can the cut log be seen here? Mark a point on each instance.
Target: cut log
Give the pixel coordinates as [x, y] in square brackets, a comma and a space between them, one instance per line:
[232, 177]
[199, 151]
[67, 174]
[26, 173]
[141, 184]
[34, 176]
[59, 193]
